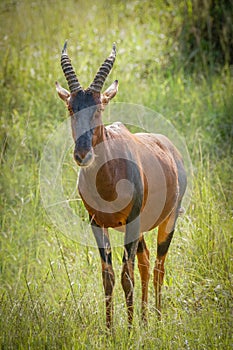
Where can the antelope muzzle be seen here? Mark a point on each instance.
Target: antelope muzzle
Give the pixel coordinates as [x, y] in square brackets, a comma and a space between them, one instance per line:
[83, 151]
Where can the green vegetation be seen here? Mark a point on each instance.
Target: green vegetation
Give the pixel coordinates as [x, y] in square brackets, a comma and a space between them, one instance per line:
[51, 292]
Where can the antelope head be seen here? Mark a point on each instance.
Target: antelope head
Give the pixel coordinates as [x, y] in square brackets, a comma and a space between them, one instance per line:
[85, 105]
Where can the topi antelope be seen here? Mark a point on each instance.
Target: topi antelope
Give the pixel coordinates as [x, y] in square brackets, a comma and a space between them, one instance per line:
[131, 182]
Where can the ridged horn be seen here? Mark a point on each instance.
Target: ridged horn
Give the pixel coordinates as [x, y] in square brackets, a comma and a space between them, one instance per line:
[68, 71]
[103, 71]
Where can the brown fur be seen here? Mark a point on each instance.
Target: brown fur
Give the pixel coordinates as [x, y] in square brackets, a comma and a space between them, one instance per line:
[148, 150]
[148, 161]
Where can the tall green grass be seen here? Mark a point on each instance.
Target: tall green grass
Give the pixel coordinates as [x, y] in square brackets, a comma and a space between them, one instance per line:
[50, 287]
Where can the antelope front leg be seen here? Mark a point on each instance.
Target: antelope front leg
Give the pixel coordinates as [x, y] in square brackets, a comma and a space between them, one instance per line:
[108, 282]
[127, 275]
[102, 239]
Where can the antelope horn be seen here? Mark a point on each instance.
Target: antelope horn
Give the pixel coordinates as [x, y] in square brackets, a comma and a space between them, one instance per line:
[69, 71]
[103, 71]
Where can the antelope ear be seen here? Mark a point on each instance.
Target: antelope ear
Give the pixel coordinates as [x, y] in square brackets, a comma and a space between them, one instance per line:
[63, 93]
[109, 93]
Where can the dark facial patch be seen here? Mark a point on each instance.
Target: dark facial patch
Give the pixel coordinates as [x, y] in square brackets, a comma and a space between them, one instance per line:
[83, 106]
[84, 141]
[82, 100]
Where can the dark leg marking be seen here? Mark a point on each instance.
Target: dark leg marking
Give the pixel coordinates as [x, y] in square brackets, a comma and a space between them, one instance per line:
[103, 242]
[127, 275]
[130, 251]
[141, 246]
[163, 247]
[159, 268]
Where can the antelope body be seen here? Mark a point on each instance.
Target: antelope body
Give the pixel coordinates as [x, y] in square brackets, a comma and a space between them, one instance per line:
[131, 182]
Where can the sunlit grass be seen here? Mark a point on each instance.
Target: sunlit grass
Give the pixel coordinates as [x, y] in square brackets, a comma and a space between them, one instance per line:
[51, 293]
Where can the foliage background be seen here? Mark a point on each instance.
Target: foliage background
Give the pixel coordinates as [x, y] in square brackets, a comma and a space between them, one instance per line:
[171, 60]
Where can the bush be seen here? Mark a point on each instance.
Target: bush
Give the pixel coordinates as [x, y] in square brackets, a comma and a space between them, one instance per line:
[206, 35]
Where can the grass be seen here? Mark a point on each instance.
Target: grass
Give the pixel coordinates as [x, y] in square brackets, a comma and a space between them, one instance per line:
[51, 292]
